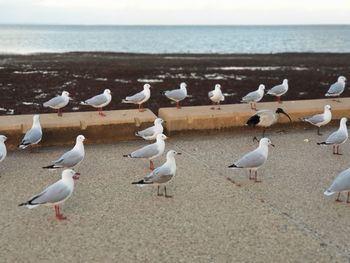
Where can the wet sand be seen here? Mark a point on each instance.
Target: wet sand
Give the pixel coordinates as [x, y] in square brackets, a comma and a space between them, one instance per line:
[285, 218]
[28, 81]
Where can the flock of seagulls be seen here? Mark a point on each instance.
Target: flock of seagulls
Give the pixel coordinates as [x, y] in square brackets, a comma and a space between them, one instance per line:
[57, 193]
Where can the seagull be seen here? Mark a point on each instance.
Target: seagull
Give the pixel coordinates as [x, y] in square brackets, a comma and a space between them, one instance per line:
[58, 102]
[253, 160]
[266, 118]
[3, 151]
[139, 98]
[338, 137]
[340, 184]
[177, 95]
[162, 174]
[150, 151]
[151, 133]
[72, 157]
[34, 135]
[254, 96]
[320, 119]
[279, 90]
[337, 88]
[99, 101]
[55, 194]
[216, 96]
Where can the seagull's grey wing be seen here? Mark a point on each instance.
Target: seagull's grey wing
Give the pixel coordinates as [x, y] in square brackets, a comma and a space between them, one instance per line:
[147, 132]
[138, 97]
[175, 94]
[160, 175]
[251, 96]
[277, 89]
[336, 88]
[318, 118]
[210, 94]
[337, 137]
[97, 100]
[69, 159]
[32, 136]
[341, 183]
[54, 102]
[53, 194]
[146, 152]
[251, 160]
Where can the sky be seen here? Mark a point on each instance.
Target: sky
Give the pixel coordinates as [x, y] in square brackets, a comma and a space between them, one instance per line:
[174, 12]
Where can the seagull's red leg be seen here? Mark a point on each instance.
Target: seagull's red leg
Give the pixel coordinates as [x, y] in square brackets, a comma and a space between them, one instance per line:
[279, 99]
[250, 174]
[333, 149]
[59, 113]
[141, 109]
[219, 105]
[348, 199]
[338, 150]
[59, 216]
[256, 177]
[213, 107]
[338, 198]
[178, 105]
[100, 112]
[151, 165]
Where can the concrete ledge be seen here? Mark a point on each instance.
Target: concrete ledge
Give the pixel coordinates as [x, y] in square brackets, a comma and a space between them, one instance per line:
[236, 115]
[118, 125]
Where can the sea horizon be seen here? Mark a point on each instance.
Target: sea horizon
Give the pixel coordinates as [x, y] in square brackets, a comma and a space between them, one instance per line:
[175, 39]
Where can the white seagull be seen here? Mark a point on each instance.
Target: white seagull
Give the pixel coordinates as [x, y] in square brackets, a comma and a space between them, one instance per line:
[253, 160]
[337, 88]
[279, 90]
[162, 174]
[58, 102]
[320, 119]
[340, 184]
[3, 151]
[254, 96]
[55, 194]
[72, 157]
[99, 101]
[338, 137]
[216, 96]
[139, 98]
[34, 135]
[150, 151]
[266, 118]
[177, 95]
[151, 133]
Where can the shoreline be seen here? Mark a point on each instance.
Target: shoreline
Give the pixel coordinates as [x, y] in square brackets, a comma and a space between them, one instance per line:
[26, 81]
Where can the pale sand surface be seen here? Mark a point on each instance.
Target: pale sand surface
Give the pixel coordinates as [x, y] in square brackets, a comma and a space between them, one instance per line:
[285, 218]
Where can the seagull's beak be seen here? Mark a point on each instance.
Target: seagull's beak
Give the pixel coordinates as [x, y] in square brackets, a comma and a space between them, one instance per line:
[178, 153]
[70, 98]
[76, 176]
[5, 139]
[272, 145]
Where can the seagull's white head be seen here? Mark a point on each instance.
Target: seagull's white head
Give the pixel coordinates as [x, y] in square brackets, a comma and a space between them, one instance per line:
[68, 173]
[3, 138]
[80, 138]
[146, 86]
[183, 85]
[327, 107]
[266, 141]
[161, 137]
[343, 120]
[261, 87]
[341, 79]
[158, 121]
[65, 94]
[172, 153]
[107, 91]
[217, 87]
[285, 81]
[36, 118]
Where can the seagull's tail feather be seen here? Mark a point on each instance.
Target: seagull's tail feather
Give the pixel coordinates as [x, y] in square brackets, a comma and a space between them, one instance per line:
[322, 143]
[141, 182]
[28, 204]
[127, 101]
[233, 166]
[23, 145]
[83, 103]
[127, 155]
[328, 192]
[45, 105]
[52, 166]
[137, 134]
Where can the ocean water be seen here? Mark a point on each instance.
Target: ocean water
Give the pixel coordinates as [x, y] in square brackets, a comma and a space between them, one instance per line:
[26, 39]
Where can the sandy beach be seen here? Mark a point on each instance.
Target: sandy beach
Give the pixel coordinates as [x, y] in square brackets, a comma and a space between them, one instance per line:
[26, 81]
[209, 219]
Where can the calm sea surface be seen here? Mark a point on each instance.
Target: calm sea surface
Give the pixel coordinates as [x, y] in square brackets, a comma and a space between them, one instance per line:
[174, 39]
